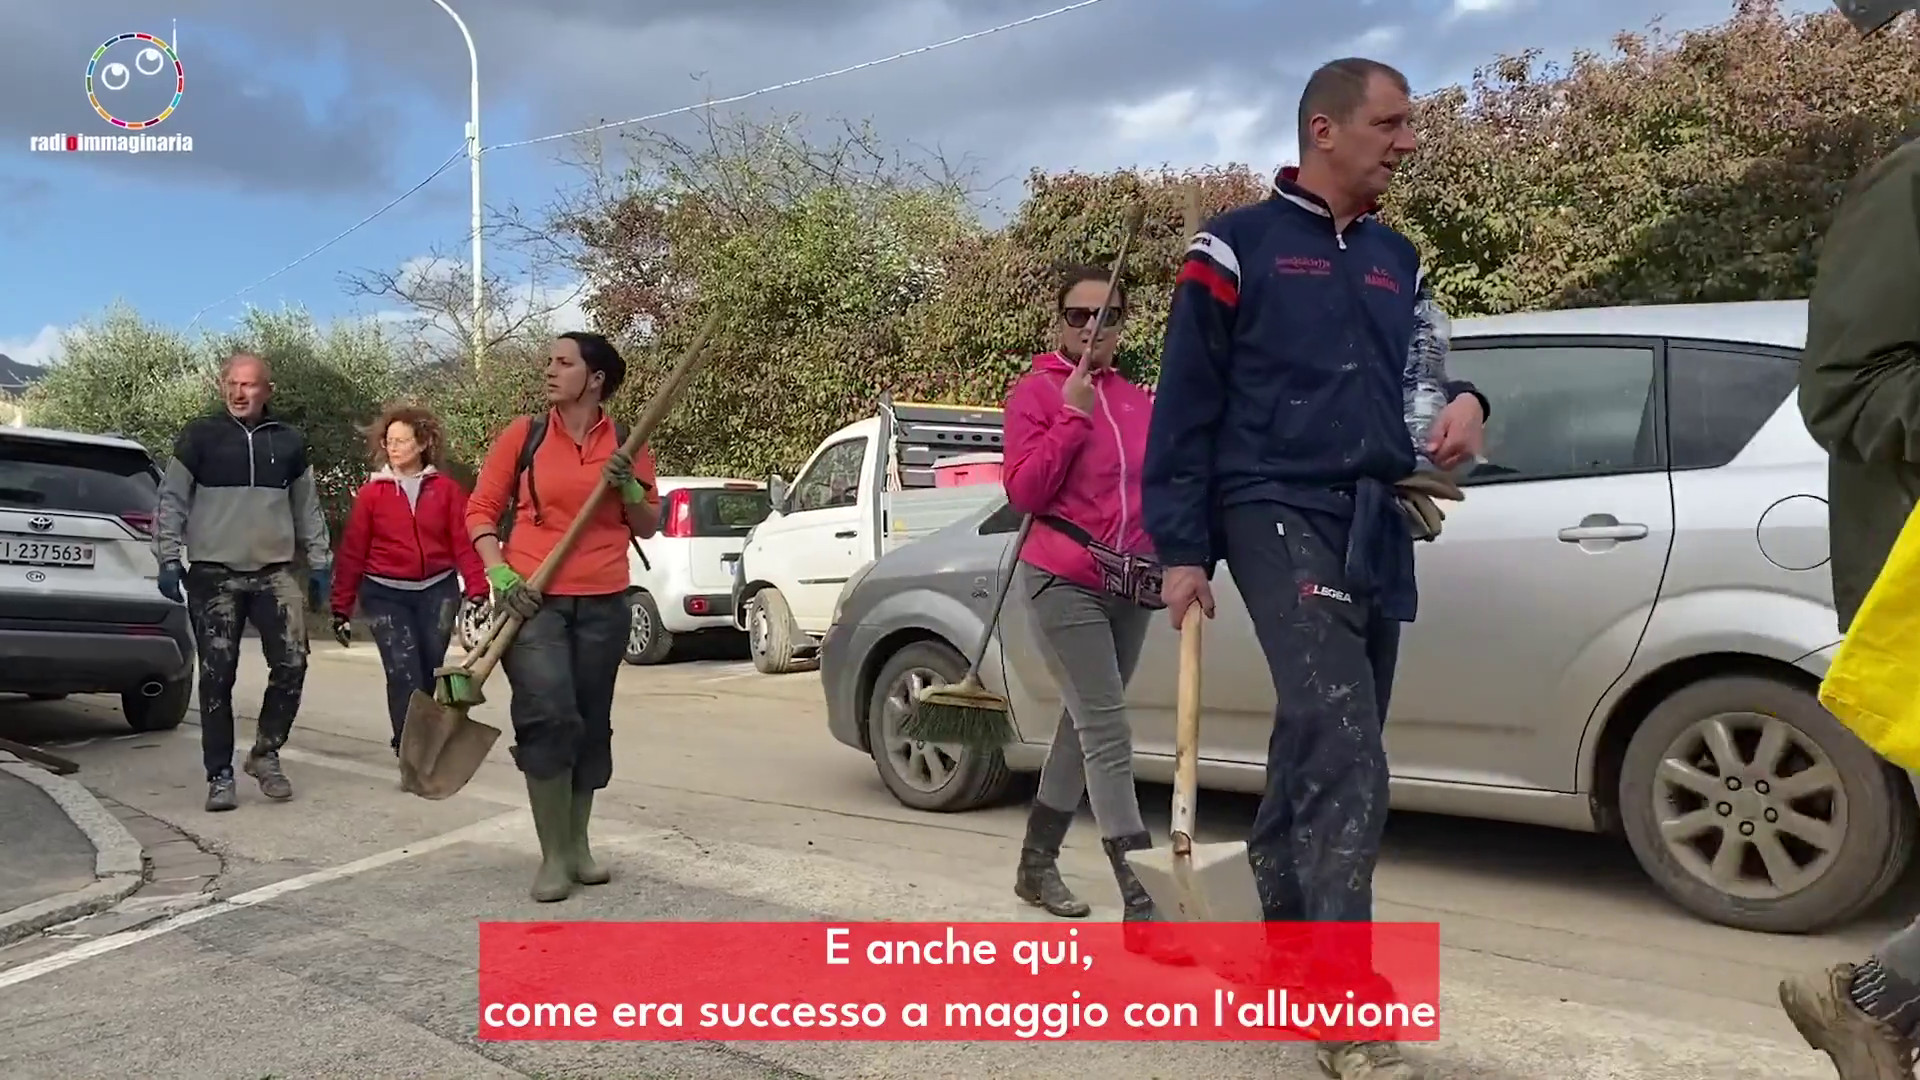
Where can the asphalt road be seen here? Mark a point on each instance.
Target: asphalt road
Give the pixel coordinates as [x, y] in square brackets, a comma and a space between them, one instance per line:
[351, 950]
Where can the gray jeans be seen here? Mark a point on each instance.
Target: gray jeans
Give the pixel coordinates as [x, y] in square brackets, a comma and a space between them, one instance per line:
[1090, 641]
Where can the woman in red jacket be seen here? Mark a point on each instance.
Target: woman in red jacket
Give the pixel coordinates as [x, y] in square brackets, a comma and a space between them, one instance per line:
[405, 539]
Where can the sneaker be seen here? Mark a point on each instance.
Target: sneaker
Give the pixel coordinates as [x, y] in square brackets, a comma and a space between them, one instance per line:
[220, 793]
[1861, 1047]
[1364, 1061]
[266, 769]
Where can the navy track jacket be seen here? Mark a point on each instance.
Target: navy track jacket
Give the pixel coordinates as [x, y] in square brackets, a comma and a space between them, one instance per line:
[1281, 381]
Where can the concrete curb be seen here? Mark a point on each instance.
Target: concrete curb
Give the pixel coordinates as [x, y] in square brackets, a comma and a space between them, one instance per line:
[117, 863]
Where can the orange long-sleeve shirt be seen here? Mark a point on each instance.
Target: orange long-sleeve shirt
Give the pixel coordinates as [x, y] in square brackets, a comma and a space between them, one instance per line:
[565, 472]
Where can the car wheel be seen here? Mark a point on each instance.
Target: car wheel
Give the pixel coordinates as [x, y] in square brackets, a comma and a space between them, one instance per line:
[770, 632]
[647, 641]
[162, 712]
[922, 775]
[1753, 807]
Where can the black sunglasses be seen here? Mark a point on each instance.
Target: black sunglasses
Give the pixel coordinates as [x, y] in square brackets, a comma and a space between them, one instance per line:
[1078, 317]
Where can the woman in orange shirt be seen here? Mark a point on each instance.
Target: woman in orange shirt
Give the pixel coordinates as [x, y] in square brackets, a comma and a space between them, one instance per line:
[563, 664]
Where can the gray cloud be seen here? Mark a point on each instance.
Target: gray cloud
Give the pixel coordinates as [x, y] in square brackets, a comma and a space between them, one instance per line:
[1042, 95]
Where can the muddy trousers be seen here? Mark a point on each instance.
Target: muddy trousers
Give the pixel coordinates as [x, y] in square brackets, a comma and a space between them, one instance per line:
[562, 668]
[411, 628]
[1090, 641]
[220, 605]
[1316, 836]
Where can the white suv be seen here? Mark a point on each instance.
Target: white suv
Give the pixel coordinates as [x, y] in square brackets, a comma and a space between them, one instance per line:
[80, 607]
[684, 583]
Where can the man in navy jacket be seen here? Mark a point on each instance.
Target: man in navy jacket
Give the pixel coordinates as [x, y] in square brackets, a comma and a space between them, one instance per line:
[1278, 433]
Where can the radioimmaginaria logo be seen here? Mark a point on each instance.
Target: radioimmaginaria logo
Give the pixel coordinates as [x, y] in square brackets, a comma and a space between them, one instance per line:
[134, 82]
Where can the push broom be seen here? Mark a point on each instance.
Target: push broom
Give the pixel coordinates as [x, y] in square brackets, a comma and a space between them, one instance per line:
[967, 713]
[441, 746]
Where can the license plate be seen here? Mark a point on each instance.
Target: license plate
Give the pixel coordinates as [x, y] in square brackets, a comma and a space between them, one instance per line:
[32, 551]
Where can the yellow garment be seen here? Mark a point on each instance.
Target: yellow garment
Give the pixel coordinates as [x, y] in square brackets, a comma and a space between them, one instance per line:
[1873, 686]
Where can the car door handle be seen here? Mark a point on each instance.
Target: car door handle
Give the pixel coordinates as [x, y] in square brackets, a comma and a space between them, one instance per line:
[1613, 531]
[848, 535]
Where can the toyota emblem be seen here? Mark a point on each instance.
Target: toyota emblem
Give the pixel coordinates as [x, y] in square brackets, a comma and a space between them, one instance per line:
[40, 524]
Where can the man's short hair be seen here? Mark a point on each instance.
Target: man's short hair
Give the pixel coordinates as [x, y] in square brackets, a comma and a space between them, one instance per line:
[234, 361]
[1338, 88]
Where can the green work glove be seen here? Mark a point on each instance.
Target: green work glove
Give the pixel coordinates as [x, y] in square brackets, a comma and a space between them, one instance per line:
[515, 594]
[618, 473]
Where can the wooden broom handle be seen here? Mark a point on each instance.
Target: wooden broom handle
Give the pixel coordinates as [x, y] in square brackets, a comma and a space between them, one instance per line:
[1186, 741]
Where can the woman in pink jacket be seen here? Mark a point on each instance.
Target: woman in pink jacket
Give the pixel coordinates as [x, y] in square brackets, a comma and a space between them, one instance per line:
[1076, 431]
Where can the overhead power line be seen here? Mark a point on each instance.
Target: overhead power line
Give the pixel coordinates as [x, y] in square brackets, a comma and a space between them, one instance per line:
[791, 83]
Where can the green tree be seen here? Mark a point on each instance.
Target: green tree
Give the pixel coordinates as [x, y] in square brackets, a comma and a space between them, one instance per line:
[120, 374]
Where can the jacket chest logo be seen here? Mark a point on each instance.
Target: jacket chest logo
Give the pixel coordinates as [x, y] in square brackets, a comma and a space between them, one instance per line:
[1383, 279]
[1303, 265]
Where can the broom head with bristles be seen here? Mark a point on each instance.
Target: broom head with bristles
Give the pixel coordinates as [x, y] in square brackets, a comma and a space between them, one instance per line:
[964, 713]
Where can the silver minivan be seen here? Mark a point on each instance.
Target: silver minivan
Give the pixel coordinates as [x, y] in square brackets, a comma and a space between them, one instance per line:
[1621, 629]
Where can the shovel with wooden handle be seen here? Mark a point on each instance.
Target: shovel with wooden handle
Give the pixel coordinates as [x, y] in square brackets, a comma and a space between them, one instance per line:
[441, 746]
[1191, 882]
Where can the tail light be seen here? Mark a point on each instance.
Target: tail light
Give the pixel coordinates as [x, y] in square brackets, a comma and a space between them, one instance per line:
[140, 523]
[679, 523]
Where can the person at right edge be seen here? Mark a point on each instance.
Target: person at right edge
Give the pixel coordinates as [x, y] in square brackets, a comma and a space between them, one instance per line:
[1279, 430]
[1860, 399]
[563, 664]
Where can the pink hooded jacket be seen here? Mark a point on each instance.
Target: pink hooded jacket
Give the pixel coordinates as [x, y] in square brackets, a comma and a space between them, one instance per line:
[1085, 469]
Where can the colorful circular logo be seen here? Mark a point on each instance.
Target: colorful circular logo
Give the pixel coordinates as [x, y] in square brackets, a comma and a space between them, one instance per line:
[148, 61]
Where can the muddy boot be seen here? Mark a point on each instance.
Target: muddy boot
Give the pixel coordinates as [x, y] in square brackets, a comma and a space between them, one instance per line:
[552, 803]
[1038, 880]
[1364, 1061]
[585, 870]
[1862, 1048]
[220, 793]
[1138, 917]
[266, 769]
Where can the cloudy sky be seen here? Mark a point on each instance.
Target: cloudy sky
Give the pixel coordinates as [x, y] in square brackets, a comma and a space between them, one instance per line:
[306, 118]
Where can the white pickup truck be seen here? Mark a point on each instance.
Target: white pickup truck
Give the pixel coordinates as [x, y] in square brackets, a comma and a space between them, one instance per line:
[869, 488]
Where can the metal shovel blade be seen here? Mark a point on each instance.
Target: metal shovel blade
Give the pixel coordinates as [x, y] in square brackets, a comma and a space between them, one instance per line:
[441, 748]
[1208, 883]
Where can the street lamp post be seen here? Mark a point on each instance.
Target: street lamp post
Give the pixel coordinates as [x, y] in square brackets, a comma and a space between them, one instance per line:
[473, 170]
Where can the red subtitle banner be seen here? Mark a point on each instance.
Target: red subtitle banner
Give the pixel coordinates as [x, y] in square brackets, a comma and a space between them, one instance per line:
[959, 981]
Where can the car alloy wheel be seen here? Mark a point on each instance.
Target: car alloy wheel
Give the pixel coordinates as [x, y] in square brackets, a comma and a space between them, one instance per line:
[640, 636]
[1750, 805]
[923, 766]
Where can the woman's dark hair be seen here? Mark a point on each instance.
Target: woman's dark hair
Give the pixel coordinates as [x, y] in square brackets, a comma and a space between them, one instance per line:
[599, 355]
[1075, 275]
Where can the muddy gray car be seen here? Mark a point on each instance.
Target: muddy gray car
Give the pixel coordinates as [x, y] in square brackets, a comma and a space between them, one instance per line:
[1622, 629]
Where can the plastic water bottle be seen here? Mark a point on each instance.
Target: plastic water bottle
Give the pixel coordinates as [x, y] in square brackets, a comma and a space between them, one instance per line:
[1421, 385]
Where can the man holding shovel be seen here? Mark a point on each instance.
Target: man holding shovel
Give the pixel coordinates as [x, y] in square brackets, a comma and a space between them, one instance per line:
[563, 664]
[1277, 441]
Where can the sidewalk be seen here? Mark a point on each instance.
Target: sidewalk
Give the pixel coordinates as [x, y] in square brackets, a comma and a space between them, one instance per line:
[66, 856]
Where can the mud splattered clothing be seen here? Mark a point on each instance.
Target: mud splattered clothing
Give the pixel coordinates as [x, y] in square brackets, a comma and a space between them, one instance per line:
[564, 663]
[412, 628]
[220, 603]
[238, 506]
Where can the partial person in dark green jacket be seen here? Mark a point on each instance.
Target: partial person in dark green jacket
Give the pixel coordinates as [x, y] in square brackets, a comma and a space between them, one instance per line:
[1860, 397]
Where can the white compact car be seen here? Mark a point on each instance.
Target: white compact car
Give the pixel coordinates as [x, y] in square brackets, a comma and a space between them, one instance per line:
[683, 574]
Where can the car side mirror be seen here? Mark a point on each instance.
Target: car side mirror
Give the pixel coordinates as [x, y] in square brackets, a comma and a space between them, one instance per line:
[777, 491]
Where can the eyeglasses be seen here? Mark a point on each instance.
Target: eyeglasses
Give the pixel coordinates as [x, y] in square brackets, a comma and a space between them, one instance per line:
[1079, 317]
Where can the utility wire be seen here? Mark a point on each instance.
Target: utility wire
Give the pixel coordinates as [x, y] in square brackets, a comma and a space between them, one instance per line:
[455, 156]
[800, 82]
[342, 235]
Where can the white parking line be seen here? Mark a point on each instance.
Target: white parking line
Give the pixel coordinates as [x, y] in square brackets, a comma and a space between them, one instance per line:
[47, 965]
[732, 672]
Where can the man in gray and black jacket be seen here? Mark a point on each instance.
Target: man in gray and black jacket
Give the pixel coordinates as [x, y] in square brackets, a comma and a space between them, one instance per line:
[237, 504]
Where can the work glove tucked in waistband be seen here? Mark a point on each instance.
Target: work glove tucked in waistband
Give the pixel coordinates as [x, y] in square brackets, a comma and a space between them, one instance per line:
[1417, 495]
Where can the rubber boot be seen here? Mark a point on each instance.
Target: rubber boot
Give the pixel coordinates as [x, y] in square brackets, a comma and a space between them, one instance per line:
[585, 870]
[552, 803]
[1138, 916]
[1038, 880]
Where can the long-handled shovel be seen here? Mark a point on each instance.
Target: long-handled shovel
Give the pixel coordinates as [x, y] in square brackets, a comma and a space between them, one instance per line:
[441, 746]
[1195, 882]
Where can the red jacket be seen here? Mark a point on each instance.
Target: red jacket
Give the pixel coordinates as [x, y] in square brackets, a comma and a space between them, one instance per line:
[1083, 468]
[387, 538]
